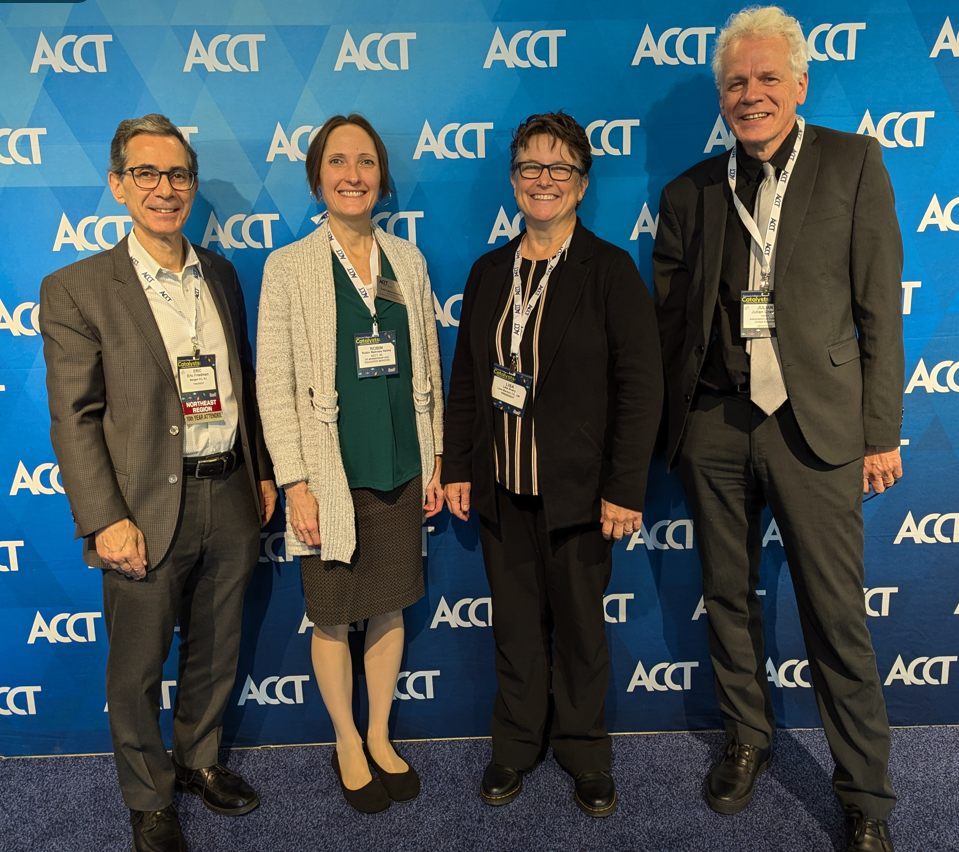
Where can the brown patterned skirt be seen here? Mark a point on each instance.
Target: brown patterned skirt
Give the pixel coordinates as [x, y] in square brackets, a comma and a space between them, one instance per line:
[386, 571]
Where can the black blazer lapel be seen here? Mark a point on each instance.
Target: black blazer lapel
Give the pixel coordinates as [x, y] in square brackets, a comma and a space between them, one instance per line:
[490, 299]
[130, 292]
[796, 202]
[715, 210]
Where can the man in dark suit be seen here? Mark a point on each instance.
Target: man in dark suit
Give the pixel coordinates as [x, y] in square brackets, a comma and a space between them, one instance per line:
[778, 300]
[156, 430]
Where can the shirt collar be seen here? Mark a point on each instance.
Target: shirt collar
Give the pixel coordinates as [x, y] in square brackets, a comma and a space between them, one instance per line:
[144, 260]
[752, 168]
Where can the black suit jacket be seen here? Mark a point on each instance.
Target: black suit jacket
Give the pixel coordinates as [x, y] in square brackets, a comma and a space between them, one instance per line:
[598, 398]
[116, 419]
[838, 280]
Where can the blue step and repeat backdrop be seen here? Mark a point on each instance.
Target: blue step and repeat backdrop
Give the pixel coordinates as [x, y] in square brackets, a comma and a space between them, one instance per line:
[250, 82]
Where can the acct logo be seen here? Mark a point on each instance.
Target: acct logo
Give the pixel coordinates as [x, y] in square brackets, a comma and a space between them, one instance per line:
[883, 593]
[620, 609]
[79, 237]
[947, 40]
[226, 237]
[198, 54]
[645, 224]
[271, 547]
[444, 313]
[453, 616]
[719, 137]
[899, 139]
[9, 696]
[514, 57]
[405, 688]
[71, 622]
[919, 532]
[360, 56]
[931, 380]
[34, 482]
[828, 34]
[663, 535]
[780, 677]
[16, 323]
[662, 53]
[624, 125]
[275, 684]
[939, 216]
[45, 55]
[505, 227]
[389, 222]
[650, 680]
[13, 138]
[435, 144]
[11, 558]
[291, 146]
[910, 674]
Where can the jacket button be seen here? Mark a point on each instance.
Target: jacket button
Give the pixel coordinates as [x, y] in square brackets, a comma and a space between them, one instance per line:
[702, 349]
[174, 479]
[174, 430]
[687, 397]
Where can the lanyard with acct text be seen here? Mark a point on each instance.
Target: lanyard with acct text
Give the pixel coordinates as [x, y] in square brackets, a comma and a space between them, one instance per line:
[361, 290]
[157, 287]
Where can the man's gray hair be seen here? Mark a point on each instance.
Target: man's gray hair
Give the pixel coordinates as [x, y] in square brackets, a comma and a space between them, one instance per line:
[762, 22]
[153, 124]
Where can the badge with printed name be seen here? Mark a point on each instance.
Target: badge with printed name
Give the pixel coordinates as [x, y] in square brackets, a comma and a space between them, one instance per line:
[387, 288]
[199, 393]
[757, 315]
[376, 354]
[510, 390]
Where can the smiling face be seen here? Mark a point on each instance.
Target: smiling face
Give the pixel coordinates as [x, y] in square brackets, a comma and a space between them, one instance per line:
[759, 93]
[158, 214]
[350, 174]
[546, 202]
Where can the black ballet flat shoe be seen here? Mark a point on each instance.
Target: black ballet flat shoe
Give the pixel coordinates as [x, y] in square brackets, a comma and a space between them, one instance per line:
[400, 786]
[369, 799]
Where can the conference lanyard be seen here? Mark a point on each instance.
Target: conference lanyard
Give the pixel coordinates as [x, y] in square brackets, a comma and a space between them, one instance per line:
[157, 287]
[361, 290]
[768, 242]
[521, 314]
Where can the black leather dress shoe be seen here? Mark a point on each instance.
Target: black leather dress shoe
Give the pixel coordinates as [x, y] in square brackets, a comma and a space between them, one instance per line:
[400, 786]
[596, 794]
[867, 835]
[371, 798]
[501, 784]
[732, 780]
[222, 791]
[157, 831]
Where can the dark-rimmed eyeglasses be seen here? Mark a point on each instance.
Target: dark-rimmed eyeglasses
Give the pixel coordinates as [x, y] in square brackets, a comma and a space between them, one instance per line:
[557, 171]
[147, 178]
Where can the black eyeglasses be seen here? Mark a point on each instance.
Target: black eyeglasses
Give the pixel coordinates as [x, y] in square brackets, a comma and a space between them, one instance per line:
[557, 171]
[147, 178]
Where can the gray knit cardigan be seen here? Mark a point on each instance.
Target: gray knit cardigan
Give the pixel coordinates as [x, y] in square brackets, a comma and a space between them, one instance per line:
[296, 377]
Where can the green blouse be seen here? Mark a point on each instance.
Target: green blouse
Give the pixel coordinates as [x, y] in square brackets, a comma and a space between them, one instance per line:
[377, 424]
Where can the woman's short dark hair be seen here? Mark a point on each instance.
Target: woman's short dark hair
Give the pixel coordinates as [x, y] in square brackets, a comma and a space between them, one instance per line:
[559, 126]
[314, 154]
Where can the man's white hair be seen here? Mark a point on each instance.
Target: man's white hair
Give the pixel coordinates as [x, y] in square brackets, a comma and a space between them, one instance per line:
[762, 22]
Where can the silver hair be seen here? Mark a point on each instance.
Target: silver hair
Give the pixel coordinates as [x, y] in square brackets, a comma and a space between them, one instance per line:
[153, 124]
[762, 22]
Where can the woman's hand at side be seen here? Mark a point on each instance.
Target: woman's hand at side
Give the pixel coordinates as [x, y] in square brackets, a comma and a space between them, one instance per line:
[304, 513]
[434, 491]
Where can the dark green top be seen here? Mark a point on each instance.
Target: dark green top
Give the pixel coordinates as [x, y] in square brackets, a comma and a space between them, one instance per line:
[377, 423]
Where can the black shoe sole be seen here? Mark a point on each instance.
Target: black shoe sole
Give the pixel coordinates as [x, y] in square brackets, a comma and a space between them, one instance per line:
[599, 813]
[724, 806]
[183, 788]
[505, 799]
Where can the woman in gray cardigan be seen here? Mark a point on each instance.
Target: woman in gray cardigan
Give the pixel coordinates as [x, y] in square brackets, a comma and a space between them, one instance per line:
[349, 387]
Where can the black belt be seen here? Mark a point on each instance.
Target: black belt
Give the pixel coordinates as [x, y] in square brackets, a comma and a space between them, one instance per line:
[732, 390]
[205, 467]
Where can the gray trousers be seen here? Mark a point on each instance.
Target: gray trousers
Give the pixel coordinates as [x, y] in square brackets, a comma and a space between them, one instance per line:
[201, 583]
[734, 460]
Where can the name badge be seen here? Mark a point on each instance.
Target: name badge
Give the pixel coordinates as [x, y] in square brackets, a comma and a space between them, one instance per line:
[757, 316]
[387, 288]
[199, 393]
[376, 354]
[510, 390]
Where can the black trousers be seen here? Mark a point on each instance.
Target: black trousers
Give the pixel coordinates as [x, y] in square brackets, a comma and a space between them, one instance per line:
[734, 460]
[201, 583]
[550, 632]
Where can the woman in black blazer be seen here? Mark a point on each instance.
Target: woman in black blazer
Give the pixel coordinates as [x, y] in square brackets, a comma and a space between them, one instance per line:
[554, 403]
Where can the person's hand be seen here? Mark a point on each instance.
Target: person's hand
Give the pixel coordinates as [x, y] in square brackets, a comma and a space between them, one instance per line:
[881, 468]
[122, 548]
[434, 491]
[458, 499]
[304, 513]
[618, 521]
[268, 498]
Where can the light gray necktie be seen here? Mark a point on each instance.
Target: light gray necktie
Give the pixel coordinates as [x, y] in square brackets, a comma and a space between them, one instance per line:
[766, 384]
